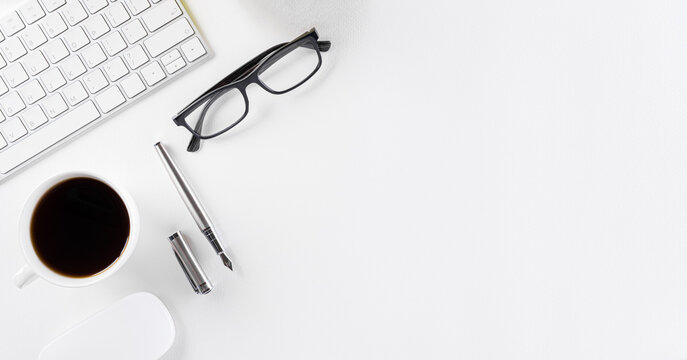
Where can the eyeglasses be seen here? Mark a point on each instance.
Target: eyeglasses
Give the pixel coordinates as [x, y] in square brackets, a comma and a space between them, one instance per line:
[277, 70]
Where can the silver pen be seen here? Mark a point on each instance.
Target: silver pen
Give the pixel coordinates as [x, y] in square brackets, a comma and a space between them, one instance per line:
[193, 204]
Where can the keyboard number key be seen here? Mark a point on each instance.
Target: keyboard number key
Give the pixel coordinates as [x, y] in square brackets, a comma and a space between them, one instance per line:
[54, 25]
[31, 11]
[74, 13]
[11, 23]
[193, 49]
[95, 5]
[52, 5]
[54, 105]
[132, 85]
[33, 37]
[34, 117]
[12, 48]
[110, 99]
[14, 129]
[153, 73]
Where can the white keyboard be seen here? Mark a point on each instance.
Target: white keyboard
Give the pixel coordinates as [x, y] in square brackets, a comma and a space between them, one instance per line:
[68, 64]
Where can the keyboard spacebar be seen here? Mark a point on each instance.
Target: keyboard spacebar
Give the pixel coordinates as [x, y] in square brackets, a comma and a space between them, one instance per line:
[47, 136]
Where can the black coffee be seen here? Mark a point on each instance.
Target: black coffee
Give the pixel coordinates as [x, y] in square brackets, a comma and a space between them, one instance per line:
[79, 227]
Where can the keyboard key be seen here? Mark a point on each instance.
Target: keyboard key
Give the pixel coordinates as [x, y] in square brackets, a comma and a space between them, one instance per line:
[2, 117]
[74, 13]
[113, 43]
[12, 48]
[33, 37]
[3, 143]
[133, 31]
[95, 5]
[12, 103]
[53, 79]
[93, 55]
[54, 25]
[115, 69]
[31, 11]
[132, 85]
[47, 136]
[55, 51]
[11, 23]
[95, 81]
[170, 56]
[73, 67]
[52, 5]
[116, 14]
[175, 65]
[168, 37]
[96, 26]
[161, 14]
[2, 62]
[153, 73]
[76, 38]
[15, 75]
[32, 92]
[13, 129]
[34, 117]
[193, 49]
[54, 105]
[136, 57]
[35, 62]
[110, 99]
[3, 87]
[137, 6]
[75, 93]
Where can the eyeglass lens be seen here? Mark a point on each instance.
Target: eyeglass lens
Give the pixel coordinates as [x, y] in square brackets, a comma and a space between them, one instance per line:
[282, 72]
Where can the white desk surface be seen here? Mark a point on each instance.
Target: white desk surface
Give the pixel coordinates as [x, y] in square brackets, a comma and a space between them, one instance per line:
[462, 180]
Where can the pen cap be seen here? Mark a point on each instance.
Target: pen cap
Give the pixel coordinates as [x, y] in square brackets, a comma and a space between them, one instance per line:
[189, 264]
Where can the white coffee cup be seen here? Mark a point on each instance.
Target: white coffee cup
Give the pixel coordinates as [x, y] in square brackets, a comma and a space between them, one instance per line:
[35, 268]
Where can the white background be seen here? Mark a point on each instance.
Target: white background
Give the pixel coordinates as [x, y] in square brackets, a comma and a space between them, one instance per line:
[462, 180]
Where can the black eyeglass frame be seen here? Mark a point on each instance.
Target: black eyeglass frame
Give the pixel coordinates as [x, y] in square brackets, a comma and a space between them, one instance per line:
[249, 74]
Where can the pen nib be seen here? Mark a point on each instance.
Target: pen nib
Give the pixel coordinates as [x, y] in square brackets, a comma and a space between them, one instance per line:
[227, 262]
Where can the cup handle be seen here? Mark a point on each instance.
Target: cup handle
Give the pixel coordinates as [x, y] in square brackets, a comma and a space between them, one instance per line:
[24, 276]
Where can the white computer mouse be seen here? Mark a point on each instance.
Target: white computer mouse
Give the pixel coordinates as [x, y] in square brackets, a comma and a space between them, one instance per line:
[138, 326]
